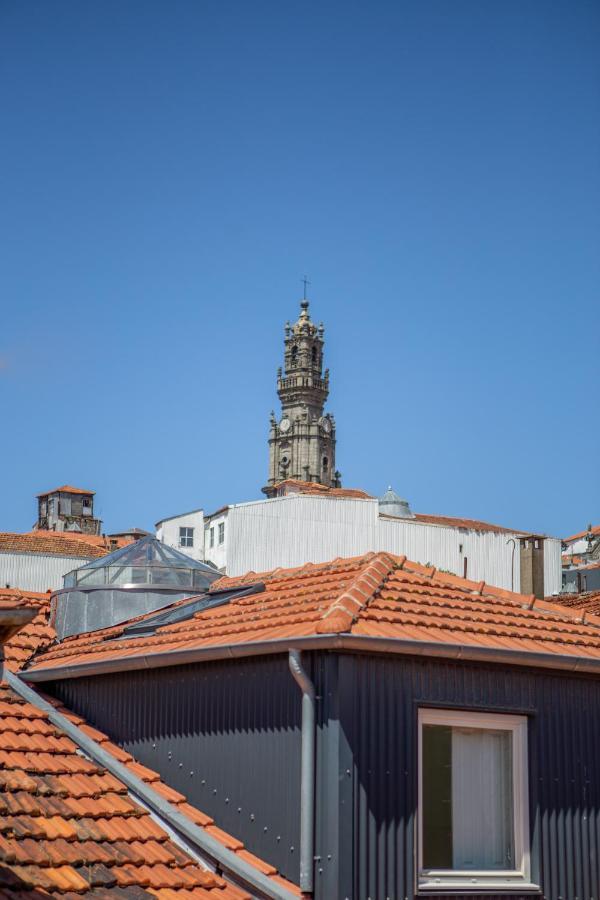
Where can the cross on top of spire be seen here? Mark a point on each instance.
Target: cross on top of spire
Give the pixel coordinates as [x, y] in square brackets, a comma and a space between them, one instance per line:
[305, 282]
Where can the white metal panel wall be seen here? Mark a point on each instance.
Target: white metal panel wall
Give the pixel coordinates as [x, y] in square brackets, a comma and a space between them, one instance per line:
[36, 571]
[293, 530]
[489, 554]
[552, 566]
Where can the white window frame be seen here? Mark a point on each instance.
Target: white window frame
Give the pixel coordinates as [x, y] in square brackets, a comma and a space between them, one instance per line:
[517, 879]
[221, 533]
[188, 536]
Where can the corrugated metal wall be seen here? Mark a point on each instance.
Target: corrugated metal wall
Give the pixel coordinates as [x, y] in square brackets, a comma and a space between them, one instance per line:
[489, 555]
[36, 571]
[376, 767]
[552, 566]
[225, 734]
[290, 531]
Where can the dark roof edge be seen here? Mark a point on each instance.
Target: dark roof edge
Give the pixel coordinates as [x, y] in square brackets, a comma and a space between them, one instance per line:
[345, 641]
[229, 861]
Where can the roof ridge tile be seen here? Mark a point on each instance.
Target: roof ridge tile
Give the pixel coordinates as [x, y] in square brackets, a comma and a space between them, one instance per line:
[345, 609]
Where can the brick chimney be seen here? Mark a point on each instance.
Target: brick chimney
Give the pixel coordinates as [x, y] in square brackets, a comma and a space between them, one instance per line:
[532, 565]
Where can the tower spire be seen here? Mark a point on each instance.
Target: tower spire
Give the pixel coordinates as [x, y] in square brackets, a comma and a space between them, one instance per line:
[302, 442]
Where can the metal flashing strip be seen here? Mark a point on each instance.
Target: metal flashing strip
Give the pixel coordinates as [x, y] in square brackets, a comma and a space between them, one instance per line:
[345, 641]
[228, 861]
[188, 608]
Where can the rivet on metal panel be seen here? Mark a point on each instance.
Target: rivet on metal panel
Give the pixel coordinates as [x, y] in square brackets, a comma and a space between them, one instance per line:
[226, 799]
[239, 809]
[191, 774]
[252, 817]
[265, 828]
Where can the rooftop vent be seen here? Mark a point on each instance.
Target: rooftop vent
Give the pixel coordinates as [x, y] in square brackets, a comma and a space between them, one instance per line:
[137, 579]
[393, 505]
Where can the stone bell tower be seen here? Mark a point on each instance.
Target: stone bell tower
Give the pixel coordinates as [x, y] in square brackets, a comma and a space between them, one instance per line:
[302, 442]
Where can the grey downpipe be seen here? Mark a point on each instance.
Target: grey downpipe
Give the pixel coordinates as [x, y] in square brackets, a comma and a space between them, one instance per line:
[307, 776]
[228, 861]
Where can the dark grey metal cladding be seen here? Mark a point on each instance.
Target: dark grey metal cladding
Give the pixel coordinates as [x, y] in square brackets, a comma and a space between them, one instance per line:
[373, 718]
[236, 725]
[225, 734]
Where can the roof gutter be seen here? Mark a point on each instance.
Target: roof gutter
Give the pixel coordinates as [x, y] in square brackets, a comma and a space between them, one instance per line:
[346, 641]
[228, 861]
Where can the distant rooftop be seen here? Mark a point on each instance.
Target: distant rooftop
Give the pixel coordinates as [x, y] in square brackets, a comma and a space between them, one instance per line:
[55, 543]
[67, 489]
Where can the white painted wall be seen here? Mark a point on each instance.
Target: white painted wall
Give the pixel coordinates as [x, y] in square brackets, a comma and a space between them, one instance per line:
[36, 571]
[167, 531]
[292, 530]
[219, 525]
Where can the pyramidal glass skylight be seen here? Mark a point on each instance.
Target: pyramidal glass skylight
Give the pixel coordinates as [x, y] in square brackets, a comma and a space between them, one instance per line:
[144, 562]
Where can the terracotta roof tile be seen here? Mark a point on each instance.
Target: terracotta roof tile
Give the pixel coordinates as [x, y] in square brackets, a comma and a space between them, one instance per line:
[471, 524]
[595, 530]
[67, 489]
[58, 543]
[72, 834]
[586, 602]
[353, 595]
[295, 486]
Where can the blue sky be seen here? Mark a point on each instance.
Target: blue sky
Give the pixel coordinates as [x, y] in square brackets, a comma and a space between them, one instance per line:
[170, 170]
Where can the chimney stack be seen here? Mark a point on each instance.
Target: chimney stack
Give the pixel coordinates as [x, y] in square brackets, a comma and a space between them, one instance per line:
[532, 565]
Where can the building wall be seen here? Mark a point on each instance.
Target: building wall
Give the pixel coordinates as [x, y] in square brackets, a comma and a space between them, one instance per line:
[36, 571]
[218, 553]
[367, 768]
[582, 579]
[168, 532]
[290, 531]
[227, 735]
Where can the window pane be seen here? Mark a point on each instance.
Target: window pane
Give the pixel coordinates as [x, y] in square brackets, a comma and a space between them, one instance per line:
[437, 797]
[467, 798]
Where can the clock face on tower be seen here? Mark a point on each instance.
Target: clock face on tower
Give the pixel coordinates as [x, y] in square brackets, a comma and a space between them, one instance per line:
[284, 425]
[326, 424]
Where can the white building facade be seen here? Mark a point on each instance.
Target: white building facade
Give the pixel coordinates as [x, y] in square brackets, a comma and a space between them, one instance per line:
[184, 532]
[300, 528]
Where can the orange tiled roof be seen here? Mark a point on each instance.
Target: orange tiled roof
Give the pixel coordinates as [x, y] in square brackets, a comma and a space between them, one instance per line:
[595, 529]
[473, 524]
[295, 486]
[67, 489]
[377, 595]
[37, 635]
[68, 827]
[569, 559]
[70, 787]
[58, 543]
[588, 601]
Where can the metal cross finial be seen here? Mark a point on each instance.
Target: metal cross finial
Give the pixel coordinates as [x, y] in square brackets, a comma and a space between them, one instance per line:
[305, 282]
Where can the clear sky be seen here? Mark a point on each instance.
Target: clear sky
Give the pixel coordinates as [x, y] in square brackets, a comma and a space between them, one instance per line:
[171, 169]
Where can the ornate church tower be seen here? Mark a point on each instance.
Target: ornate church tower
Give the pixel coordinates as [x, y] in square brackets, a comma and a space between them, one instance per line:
[302, 443]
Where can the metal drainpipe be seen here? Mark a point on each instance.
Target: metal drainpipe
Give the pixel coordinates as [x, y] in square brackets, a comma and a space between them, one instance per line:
[307, 777]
